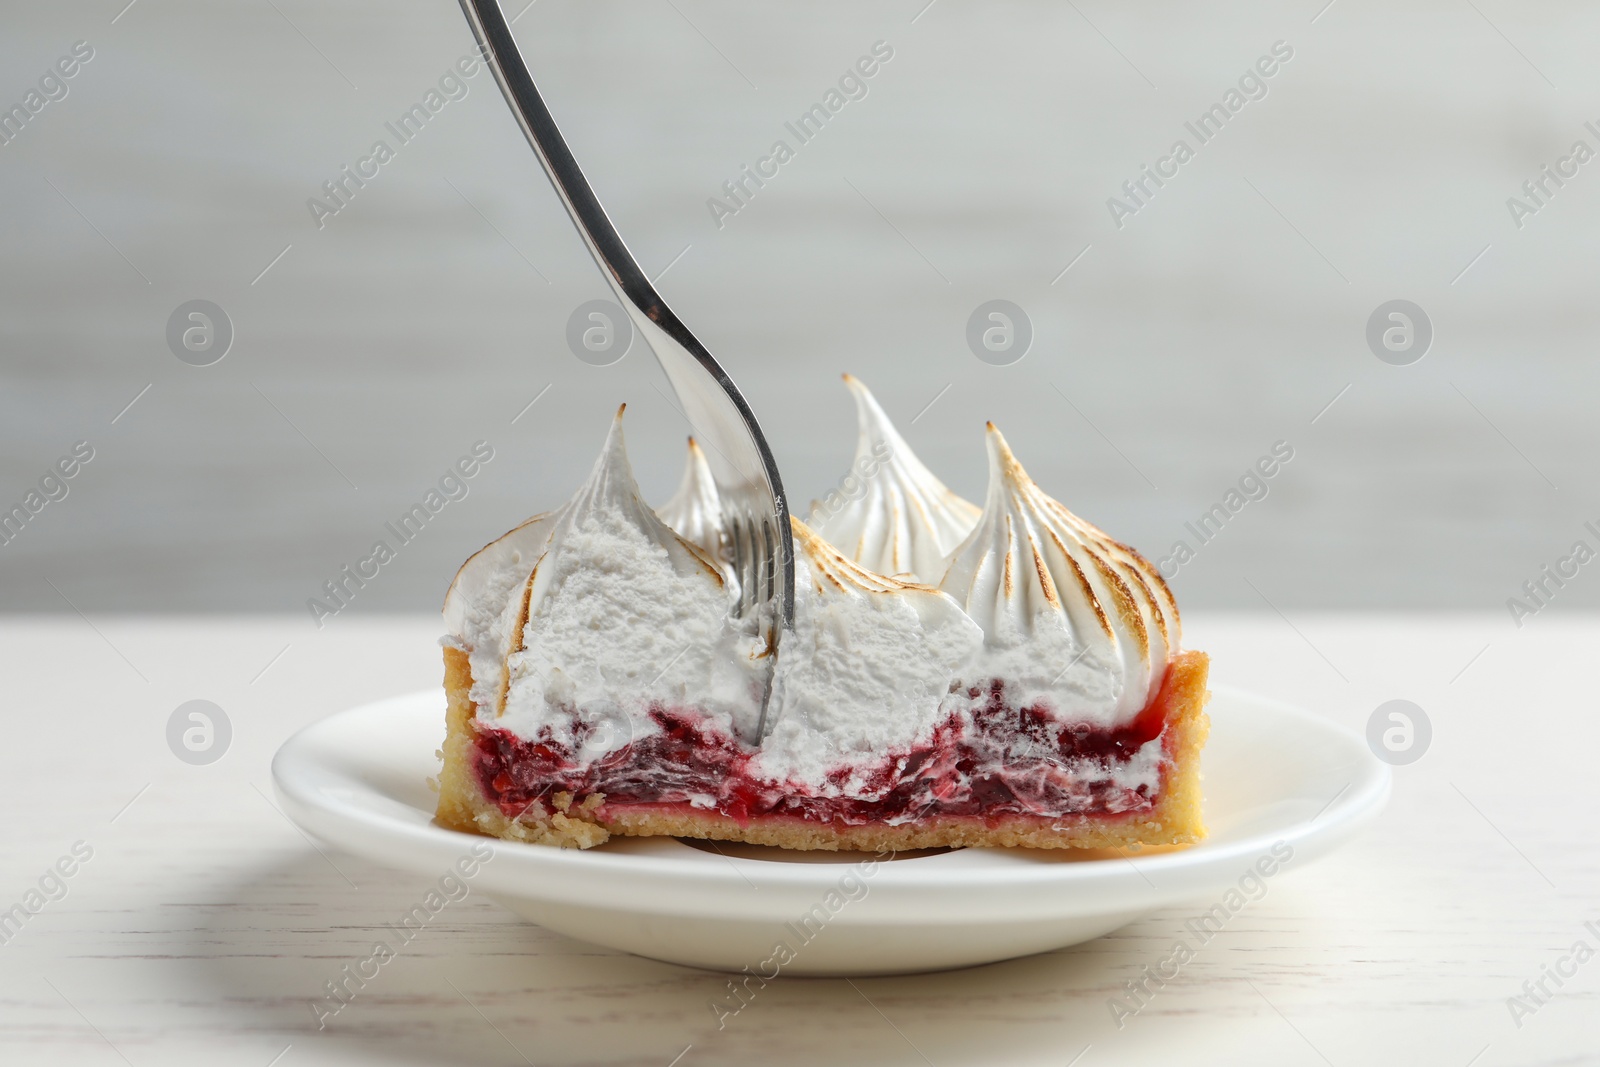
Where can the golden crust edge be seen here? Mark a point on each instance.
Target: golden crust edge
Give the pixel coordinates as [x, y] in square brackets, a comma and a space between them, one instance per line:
[462, 805]
[1175, 820]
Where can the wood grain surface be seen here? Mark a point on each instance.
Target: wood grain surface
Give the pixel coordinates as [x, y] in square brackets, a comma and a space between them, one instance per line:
[205, 925]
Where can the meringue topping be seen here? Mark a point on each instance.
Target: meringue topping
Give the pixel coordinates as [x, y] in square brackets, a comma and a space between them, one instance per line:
[1070, 617]
[605, 611]
[695, 510]
[865, 670]
[479, 613]
[618, 614]
[890, 514]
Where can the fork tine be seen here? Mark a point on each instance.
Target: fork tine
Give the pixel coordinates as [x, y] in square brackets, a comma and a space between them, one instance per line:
[759, 591]
[743, 553]
[770, 563]
[758, 562]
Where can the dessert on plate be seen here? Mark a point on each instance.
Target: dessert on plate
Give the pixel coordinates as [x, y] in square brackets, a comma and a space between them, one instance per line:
[956, 675]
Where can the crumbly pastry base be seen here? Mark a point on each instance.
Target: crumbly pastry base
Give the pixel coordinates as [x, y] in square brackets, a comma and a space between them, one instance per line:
[1174, 820]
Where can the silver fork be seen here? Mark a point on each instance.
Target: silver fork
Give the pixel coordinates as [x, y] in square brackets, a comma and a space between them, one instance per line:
[755, 516]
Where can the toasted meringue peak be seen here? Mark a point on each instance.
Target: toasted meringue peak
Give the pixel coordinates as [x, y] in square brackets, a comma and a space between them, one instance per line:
[695, 510]
[832, 570]
[890, 514]
[621, 614]
[612, 492]
[1069, 616]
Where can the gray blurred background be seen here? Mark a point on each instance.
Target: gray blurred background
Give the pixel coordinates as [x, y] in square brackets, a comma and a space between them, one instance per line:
[1168, 354]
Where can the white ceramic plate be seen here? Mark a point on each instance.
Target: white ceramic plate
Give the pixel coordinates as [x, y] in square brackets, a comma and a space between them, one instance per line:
[1277, 781]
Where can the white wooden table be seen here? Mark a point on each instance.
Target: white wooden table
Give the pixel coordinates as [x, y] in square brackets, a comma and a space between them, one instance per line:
[204, 924]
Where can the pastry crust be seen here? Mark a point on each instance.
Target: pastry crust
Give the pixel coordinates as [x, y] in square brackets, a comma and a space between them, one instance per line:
[1174, 820]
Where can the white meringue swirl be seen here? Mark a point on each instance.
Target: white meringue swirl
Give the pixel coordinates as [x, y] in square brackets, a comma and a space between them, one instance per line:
[695, 511]
[1071, 618]
[864, 671]
[480, 612]
[891, 515]
[615, 614]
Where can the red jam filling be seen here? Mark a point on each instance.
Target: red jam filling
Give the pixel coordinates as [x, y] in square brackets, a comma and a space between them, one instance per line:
[1002, 762]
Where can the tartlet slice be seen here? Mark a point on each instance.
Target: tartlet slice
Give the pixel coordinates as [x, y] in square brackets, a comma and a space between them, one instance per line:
[597, 683]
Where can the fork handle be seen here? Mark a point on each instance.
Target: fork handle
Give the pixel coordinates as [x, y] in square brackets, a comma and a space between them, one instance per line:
[669, 339]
